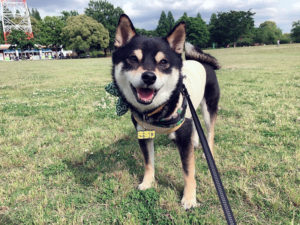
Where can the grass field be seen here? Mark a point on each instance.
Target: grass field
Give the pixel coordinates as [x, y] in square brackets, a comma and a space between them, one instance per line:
[66, 158]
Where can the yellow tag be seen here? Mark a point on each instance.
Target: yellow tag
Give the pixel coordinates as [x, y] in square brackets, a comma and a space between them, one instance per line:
[147, 134]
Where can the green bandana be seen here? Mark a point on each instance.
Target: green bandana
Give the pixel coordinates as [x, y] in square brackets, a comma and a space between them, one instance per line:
[121, 105]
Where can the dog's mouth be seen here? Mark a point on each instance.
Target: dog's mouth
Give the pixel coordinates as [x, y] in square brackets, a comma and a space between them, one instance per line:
[144, 95]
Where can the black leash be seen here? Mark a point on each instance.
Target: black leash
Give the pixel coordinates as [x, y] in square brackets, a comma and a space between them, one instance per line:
[211, 163]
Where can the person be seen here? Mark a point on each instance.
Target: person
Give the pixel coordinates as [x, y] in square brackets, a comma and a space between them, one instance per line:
[7, 58]
[278, 43]
[61, 56]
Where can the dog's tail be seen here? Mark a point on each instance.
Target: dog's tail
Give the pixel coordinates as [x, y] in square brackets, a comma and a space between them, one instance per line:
[194, 53]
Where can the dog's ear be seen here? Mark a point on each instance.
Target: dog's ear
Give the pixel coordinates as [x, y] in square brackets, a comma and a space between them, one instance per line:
[125, 31]
[176, 38]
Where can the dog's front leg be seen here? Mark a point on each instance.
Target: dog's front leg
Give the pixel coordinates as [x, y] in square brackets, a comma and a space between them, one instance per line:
[186, 149]
[147, 148]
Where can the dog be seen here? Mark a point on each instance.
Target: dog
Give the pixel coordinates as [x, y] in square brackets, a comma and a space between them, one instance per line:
[149, 73]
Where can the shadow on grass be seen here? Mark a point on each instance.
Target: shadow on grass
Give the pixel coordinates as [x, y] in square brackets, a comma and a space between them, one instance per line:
[122, 154]
[118, 155]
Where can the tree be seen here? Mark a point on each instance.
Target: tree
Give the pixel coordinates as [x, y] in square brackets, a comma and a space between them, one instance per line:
[162, 28]
[268, 33]
[211, 27]
[295, 33]
[227, 27]
[35, 14]
[48, 31]
[196, 30]
[106, 14]
[66, 14]
[84, 34]
[143, 32]
[36, 26]
[170, 21]
[19, 40]
[285, 38]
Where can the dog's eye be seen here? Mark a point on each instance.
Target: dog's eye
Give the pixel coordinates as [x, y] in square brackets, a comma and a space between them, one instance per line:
[133, 59]
[163, 62]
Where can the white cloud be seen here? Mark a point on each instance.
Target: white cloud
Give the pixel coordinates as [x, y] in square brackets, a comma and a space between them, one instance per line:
[145, 14]
[296, 6]
[208, 5]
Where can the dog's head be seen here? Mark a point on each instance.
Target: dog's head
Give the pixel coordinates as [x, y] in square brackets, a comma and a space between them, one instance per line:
[147, 70]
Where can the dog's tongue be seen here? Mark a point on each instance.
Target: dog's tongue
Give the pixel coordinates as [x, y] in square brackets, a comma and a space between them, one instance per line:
[145, 94]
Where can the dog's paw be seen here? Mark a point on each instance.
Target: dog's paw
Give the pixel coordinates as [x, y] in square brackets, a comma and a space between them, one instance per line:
[188, 203]
[144, 186]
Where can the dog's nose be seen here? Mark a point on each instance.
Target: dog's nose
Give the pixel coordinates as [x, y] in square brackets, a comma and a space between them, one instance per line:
[148, 78]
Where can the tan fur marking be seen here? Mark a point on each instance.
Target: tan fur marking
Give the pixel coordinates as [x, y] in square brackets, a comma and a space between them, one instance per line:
[189, 179]
[148, 177]
[159, 56]
[189, 194]
[149, 172]
[139, 54]
[139, 71]
[211, 134]
[160, 74]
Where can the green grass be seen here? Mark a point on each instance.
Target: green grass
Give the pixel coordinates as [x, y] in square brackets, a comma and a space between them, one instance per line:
[66, 158]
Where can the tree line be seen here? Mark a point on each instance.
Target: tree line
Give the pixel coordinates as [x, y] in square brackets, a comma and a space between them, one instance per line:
[92, 33]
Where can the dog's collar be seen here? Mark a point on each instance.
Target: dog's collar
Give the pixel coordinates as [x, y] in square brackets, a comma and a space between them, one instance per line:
[156, 110]
[164, 125]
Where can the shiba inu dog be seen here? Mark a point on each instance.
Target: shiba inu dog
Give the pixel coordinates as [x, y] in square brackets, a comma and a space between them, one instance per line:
[149, 74]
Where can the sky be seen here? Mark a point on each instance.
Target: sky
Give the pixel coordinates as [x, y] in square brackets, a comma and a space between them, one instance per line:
[145, 14]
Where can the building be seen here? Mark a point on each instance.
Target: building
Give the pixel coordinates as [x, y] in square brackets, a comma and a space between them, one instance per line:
[7, 54]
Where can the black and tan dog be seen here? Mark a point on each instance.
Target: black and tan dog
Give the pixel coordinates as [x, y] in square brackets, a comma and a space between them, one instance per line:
[149, 73]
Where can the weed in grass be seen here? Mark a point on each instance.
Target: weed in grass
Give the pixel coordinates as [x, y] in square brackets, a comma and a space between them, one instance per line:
[2, 131]
[19, 109]
[107, 190]
[54, 169]
[31, 150]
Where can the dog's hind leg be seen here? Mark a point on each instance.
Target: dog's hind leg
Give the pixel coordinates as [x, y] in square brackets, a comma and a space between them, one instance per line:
[186, 149]
[209, 120]
[209, 104]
